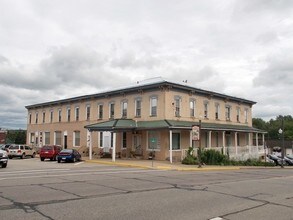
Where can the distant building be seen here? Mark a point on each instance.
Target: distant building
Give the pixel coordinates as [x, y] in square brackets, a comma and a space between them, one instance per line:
[151, 116]
[3, 134]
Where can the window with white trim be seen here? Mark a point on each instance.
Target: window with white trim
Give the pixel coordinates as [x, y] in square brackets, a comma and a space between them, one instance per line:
[192, 107]
[44, 117]
[153, 106]
[30, 118]
[88, 112]
[47, 137]
[154, 140]
[206, 109]
[76, 135]
[111, 110]
[124, 140]
[59, 115]
[51, 116]
[68, 114]
[100, 111]
[177, 101]
[228, 112]
[238, 114]
[101, 139]
[57, 138]
[124, 109]
[37, 117]
[176, 139]
[137, 105]
[217, 111]
[246, 115]
[76, 113]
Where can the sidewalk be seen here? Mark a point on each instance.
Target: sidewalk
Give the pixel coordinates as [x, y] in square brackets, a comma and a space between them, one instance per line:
[158, 165]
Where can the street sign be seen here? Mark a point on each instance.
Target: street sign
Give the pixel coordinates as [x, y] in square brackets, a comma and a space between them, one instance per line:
[195, 133]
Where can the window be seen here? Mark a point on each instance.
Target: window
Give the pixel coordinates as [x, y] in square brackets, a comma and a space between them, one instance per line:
[57, 137]
[217, 111]
[37, 117]
[30, 118]
[206, 108]
[47, 137]
[124, 109]
[51, 116]
[228, 113]
[176, 141]
[68, 114]
[124, 140]
[238, 114]
[88, 112]
[138, 108]
[154, 103]
[101, 139]
[177, 106]
[76, 136]
[246, 115]
[44, 117]
[100, 111]
[77, 114]
[153, 140]
[192, 107]
[59, 115]
[111, 110]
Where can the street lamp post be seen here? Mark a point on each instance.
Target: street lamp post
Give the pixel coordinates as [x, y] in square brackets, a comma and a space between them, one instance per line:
[281, 132]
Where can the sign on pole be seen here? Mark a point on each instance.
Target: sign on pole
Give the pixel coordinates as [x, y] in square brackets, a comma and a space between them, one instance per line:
[195, 133]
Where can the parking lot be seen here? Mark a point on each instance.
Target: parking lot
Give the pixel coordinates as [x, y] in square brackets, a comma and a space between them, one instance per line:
[32, 189]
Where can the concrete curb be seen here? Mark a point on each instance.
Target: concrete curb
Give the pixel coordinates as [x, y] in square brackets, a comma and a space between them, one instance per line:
[164, 167]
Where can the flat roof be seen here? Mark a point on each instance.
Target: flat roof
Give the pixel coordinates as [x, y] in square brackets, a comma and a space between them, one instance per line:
[144, 85]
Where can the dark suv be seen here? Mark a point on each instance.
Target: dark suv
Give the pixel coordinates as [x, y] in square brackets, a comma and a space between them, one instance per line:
[49, 152]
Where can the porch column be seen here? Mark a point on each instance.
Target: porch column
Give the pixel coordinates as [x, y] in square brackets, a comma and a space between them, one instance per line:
[114, 148]
[249, 139]
[170, 150]
[90, 144]
[236, 143]
[224, 143]
[256, 139]
[263, 139]
[210, 139]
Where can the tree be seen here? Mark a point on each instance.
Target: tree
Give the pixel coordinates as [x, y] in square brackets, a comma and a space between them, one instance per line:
[16, 137]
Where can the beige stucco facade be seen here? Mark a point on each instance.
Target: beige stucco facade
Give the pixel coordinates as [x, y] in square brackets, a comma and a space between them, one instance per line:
[63, 122]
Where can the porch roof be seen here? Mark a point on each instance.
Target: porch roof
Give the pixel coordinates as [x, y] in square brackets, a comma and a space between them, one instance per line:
[129, 124]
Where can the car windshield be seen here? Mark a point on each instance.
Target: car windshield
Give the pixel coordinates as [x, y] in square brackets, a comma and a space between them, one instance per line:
[66, 151]
[13, 147]
[47, 148]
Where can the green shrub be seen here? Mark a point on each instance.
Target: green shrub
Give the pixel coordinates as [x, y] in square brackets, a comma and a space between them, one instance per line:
[189, 160]
[213, 157]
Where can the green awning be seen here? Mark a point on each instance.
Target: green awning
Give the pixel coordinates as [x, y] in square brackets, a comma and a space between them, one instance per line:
[131, 125]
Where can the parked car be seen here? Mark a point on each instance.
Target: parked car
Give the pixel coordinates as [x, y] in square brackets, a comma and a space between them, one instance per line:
[69, 155]
[3, 158]
[276, 159]
[49, 152]
[4, 147]
[288, 160]
[21, 151]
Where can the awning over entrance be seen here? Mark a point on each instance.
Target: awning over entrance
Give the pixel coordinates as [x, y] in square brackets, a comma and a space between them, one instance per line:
[132, 125]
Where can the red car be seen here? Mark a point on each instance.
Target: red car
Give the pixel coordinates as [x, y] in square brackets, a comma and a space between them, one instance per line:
[49, 152]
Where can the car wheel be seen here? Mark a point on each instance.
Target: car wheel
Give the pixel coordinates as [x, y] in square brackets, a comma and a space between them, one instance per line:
[4, 165]
[34, 154]
[22, 156]
[59, 161]
[10, 157]
[55, 158]
[74, 160]
[42, 158]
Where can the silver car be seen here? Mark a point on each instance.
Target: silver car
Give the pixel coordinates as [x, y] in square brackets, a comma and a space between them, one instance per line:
[21, 151]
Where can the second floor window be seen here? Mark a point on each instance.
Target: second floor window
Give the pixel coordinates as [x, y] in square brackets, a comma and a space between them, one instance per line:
[154, 103]
[30, 118]
[246, 115]
[124, 109]
[100, 111]
[37, 118]
[51, 116]
[228, 113]
[59, 115]
[206, 110]
[192, 108]
[138, 108]
[217, 111]
[68, 114]
[44, 117]
[238, 115]
[177, 106]
[77, 114]
[88, 112]
[111, 110]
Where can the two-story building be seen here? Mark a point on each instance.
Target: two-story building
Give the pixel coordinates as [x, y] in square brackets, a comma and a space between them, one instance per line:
[151, 116]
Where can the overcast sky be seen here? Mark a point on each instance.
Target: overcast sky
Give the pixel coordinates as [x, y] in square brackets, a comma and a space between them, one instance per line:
[55, 49]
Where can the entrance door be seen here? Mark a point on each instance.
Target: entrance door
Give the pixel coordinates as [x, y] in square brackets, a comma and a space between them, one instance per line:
[107, 141]
[65, 142]
[137, 148]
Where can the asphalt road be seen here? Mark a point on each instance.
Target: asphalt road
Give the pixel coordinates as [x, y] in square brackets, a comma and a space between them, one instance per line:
[31, 189]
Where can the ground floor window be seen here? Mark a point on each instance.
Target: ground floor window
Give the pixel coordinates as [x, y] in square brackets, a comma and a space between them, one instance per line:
[124, 140]
[176, 137]
[47, 137]
[76, 139]
[153, 140]
[57, 137]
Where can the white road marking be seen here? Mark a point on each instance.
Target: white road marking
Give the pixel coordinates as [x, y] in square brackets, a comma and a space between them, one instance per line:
[78, 163]
[217, 218]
